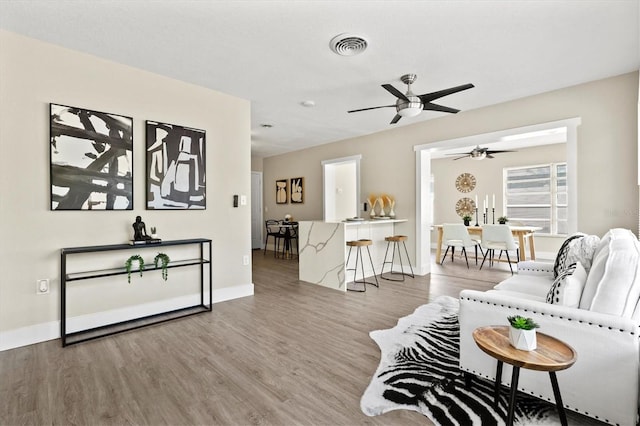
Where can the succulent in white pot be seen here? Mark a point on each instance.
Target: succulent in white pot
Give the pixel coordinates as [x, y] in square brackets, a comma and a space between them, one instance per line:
[522, 333]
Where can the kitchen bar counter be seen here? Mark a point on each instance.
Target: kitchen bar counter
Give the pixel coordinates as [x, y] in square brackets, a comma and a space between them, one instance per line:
[323, 250]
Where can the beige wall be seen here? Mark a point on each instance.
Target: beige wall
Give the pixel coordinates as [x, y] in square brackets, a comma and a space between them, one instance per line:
[33, 74]
[607, 153]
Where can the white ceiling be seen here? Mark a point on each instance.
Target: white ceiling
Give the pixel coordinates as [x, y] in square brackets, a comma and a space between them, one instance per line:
[276, 53]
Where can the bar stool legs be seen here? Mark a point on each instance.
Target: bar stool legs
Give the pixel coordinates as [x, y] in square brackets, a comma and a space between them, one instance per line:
[394, 241]
[358, 245]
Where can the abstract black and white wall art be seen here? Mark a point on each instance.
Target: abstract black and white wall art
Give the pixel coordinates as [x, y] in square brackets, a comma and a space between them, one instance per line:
[175, 167]
[91, 159]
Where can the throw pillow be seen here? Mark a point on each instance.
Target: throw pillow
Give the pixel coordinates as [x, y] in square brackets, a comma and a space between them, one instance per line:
[567, 288]
[561, 258]
[584, 251]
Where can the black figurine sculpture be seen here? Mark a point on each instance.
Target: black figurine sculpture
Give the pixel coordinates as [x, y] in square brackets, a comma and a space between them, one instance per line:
[140, 230]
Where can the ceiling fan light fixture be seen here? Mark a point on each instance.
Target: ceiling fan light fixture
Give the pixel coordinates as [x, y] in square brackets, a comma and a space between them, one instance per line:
[410, 110]
[478, 153]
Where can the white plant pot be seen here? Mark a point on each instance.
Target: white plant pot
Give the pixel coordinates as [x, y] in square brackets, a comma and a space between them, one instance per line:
[523, 339]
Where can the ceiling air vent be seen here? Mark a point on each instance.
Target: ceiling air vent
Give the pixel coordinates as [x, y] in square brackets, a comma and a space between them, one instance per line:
[348, 44]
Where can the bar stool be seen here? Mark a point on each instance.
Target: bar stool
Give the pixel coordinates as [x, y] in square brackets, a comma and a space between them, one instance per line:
[396, 240]
[358, 245]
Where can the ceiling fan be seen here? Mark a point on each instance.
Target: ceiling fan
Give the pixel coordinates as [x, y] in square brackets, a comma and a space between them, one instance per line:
[478, 153]
[410, 105]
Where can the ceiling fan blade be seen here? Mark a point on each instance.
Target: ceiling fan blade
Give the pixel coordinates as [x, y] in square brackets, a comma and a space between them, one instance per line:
[464, 156]
[428, 97]
[367, 109]
[395, 119]
[395, 92]
[435, 107]
[497, 152]
[489, 156]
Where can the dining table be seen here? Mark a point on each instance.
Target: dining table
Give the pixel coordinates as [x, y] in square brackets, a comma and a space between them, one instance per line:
[523, 234]
[289, 231]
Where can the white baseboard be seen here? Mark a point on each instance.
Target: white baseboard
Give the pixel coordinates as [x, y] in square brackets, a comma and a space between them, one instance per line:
[24, 336]
[230, 293]
[51, 330]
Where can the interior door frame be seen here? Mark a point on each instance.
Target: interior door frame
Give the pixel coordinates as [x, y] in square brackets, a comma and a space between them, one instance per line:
[327, 179]
[256, 193]
[423, 178]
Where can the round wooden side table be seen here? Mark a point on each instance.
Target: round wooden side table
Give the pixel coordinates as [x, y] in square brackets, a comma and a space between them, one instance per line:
[551, 355]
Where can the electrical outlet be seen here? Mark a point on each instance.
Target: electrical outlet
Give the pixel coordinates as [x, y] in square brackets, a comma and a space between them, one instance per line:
[245, 260]
[42, 286]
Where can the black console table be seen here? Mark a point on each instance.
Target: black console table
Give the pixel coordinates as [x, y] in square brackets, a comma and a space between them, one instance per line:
[113, 328]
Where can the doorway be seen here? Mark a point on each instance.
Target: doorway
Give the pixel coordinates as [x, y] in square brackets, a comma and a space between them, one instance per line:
[341, 188]
[424, 154]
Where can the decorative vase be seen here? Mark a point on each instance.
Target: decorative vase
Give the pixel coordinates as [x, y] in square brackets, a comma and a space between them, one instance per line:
[466, 222]
[380, 201]
[372, 208]
[523, 339]
[392, 214]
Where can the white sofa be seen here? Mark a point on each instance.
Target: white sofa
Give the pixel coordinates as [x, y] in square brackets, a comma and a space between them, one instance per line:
[601, 321]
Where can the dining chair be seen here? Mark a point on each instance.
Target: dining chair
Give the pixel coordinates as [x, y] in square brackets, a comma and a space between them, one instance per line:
[498, 237]
[273, 230]
[456, 235]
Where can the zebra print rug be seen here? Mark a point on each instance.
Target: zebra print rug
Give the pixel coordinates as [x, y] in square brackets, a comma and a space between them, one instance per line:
[419, 371]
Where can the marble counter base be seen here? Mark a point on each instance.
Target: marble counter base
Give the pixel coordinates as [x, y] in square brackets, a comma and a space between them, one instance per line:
[323, 250]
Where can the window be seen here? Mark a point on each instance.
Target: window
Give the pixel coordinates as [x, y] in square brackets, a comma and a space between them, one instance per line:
[537, 196]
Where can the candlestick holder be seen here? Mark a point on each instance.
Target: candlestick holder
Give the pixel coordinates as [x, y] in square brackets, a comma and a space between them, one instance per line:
[484, 218]
[477, 216]
[486, 215]
[494, 215]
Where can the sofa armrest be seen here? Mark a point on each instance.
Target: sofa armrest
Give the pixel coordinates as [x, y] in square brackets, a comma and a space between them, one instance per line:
[605, 378]
[532, 267]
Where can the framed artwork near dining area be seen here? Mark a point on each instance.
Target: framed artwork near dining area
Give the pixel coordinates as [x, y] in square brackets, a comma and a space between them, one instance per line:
[297, 190]
[282, 195]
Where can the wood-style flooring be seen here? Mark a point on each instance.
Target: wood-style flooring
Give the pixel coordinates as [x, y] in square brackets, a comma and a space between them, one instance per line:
[292, 354]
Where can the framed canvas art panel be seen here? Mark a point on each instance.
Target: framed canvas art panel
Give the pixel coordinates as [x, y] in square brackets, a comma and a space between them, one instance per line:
[281, 191]
[176, 169]
[91, 155]
[297, 190]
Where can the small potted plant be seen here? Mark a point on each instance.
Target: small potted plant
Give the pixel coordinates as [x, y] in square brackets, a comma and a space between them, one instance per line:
[128, 264]
[466, 219]
[502, 220]
[522, 333]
